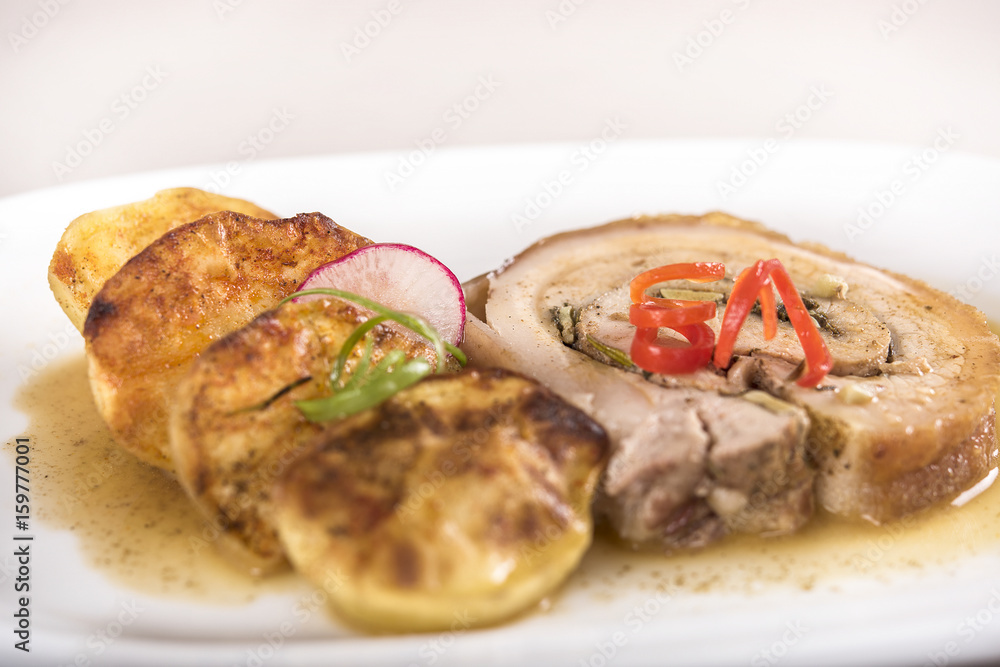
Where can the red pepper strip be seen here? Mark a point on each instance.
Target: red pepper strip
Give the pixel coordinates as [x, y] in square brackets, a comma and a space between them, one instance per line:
[676, 313]
[768, 311]
[746, 289]
[686, 317]
[818, 359]
[768, 307]
[650, 355]
[698, 272]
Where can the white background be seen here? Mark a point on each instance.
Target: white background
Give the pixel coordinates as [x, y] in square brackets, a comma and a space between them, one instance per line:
[304, 79]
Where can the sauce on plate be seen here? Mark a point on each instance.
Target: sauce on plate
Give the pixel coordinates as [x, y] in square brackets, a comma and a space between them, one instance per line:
[133, 522]
[135, 526]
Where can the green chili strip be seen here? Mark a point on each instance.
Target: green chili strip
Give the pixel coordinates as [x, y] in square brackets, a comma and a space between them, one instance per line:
[613, 353]
[413, 322]
[370, 385]
[362, 370]
[345, 351]
[382, 386]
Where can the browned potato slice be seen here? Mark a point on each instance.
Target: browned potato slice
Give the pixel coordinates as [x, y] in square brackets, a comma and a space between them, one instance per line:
[234, 425]
[97, 244]
[462, 499]
[188, 288]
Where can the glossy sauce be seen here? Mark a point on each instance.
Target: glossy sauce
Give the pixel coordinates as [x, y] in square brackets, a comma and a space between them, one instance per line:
[825, 552]
[135, 526]
[133, 522]
[828, 550]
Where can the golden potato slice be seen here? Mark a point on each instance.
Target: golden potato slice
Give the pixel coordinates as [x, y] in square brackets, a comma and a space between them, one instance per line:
[97, 244]
[193, 285]
[234, 426]
[463, 499]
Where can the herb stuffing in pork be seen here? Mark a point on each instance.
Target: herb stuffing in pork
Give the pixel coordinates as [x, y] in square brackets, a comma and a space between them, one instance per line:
[905, 418]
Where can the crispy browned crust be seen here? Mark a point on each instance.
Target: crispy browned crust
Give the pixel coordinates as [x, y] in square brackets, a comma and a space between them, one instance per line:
[897, 475]
[355, 476]
[891, 473]
[188, 288]
[954, 471]
[884, 473]
[234, 424]
[97, 244]
[415, 501]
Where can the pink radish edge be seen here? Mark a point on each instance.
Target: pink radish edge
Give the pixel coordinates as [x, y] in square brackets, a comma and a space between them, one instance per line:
[460, 311]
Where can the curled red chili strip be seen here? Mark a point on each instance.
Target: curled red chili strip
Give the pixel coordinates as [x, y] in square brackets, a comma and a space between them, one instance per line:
[649, 314]
[750, 285]
[651, 355]
[696, 272]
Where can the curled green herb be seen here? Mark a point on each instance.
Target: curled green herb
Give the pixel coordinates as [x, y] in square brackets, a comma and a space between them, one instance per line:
[391, 375]
[371, 384]
[618, 356]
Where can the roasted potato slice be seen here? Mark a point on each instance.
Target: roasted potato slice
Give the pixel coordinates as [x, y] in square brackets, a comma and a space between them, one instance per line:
[234, 425]
[193, 285]
[96, 245]
[462, 499]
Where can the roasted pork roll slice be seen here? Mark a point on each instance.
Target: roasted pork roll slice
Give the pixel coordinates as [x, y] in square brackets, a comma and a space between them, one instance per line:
[905, 420]
[688, 466]
[191, 286]
[234, 423]
[461, 500]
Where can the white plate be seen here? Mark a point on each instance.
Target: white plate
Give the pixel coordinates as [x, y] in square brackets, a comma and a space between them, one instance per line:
[472, 208]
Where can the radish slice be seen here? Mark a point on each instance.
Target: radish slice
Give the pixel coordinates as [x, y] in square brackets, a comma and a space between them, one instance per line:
[402, 278]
